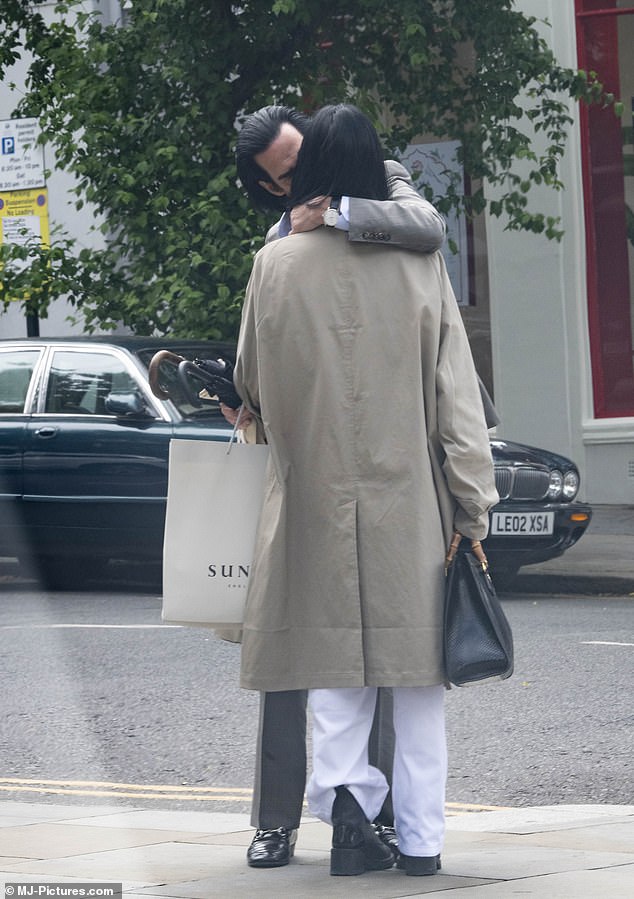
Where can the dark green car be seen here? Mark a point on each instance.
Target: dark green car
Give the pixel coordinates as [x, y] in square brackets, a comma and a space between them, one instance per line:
[84, 449]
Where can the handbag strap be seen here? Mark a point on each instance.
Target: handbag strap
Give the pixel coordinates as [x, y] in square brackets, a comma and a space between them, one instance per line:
[476, 549]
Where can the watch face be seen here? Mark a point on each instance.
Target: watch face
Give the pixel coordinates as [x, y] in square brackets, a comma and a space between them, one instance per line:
[330, 217]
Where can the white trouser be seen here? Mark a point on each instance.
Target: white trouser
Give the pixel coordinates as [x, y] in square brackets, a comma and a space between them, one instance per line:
[342, 719]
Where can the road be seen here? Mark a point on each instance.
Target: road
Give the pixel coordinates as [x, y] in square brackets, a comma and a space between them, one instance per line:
[103, 703]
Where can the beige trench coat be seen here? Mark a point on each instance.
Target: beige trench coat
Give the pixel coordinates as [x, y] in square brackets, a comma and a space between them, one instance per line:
[357, 361]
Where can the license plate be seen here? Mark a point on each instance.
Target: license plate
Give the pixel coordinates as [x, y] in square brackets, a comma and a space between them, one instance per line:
[523, 524]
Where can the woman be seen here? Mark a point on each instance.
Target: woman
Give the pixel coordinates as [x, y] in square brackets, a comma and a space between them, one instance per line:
[356, 362]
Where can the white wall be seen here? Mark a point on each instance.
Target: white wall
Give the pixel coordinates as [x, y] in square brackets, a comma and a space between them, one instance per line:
[538, 296]
[539, 321]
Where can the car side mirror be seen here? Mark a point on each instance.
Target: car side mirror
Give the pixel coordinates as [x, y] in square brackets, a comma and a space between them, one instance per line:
[127, 402]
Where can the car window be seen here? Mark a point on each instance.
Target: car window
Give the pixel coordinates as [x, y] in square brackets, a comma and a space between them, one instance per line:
[79, 383]
[16, 370]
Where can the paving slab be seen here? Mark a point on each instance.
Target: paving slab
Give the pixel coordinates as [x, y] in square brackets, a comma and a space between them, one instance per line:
[486, 861]
[308, 879]
[51, 841]
[34, 812]
[196, 822]
[542, 818]
[159, 863]
[615, 883]
[608, 837]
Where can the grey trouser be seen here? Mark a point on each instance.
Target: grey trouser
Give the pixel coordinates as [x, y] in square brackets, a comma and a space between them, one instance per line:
[280, 765]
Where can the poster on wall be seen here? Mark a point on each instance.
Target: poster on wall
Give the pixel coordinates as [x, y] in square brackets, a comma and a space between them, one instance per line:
[436, 165]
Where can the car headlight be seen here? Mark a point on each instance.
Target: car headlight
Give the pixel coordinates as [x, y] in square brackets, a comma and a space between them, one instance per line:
[571, 485]
[556, 485]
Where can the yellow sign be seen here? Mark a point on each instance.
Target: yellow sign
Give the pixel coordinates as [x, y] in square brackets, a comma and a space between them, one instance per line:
[23, 216]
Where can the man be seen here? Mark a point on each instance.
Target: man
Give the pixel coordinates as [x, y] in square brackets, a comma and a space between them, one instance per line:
[266, 153]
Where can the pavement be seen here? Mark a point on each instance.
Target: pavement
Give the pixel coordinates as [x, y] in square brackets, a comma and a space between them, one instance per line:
[551, 852]
[601, 563]
[555, 852]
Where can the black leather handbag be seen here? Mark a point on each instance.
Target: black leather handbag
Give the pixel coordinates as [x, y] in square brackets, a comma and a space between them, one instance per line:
[478, 642]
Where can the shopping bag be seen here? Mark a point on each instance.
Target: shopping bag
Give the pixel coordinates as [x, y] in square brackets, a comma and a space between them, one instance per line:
[214, 499]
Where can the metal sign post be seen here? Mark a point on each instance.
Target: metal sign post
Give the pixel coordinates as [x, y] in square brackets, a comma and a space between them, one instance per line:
[23, 198]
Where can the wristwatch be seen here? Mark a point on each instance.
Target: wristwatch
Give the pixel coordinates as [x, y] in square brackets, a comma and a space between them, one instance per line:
[331, 215]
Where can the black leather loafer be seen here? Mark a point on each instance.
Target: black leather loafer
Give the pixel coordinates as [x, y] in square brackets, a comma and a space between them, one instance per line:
[272, 848]
[419, 866]
[388, 836]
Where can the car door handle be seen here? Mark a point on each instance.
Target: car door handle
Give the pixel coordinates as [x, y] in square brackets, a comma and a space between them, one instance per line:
[46, 432]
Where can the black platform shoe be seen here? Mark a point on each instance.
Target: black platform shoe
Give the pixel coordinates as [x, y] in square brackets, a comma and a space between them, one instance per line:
[355, 845]
[272, 848]
[419, 866]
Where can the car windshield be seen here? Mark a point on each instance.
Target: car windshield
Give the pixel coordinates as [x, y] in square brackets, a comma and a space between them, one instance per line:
[170, 381]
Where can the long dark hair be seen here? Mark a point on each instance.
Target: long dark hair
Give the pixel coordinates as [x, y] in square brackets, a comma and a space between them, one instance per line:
[340, 155]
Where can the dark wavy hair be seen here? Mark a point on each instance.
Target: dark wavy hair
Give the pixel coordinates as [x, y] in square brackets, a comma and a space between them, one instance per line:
[340, 155]
[257, 133]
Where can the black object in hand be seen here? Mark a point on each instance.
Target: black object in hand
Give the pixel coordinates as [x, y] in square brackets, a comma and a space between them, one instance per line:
[215, 375]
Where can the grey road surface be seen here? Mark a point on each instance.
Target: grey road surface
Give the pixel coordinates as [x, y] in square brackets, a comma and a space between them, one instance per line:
[102, 702]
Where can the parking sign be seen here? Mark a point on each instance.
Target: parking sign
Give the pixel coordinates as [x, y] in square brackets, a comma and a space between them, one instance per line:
[21, 157]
